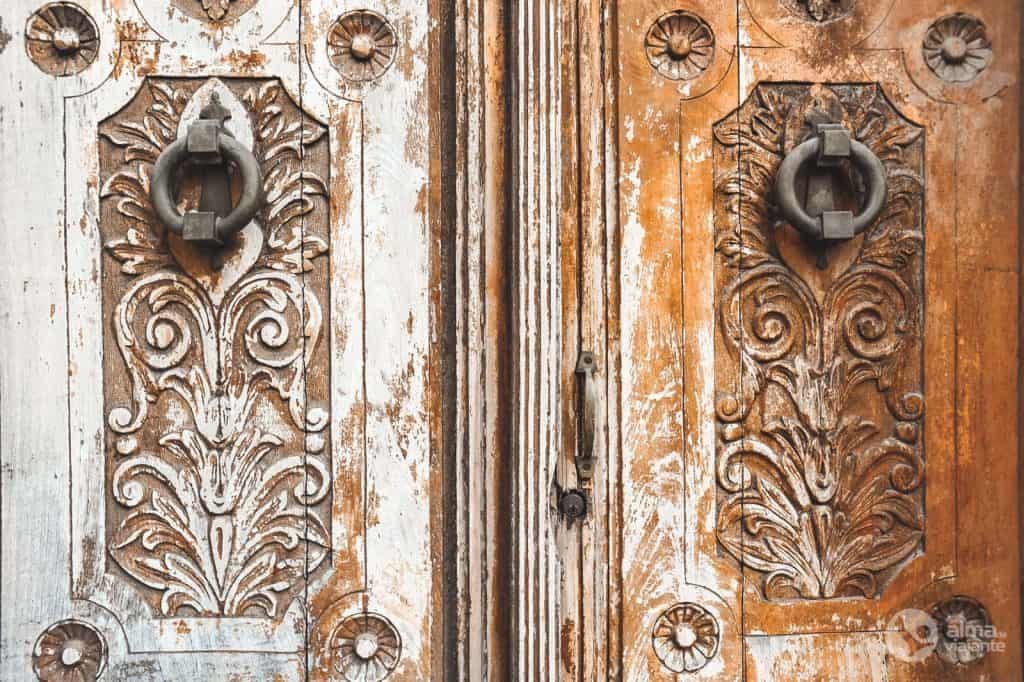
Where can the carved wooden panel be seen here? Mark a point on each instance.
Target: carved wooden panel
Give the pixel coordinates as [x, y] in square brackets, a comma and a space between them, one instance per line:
[238, 454]
[334, 450]
[818, 373]
[797, 471]
[218, 455]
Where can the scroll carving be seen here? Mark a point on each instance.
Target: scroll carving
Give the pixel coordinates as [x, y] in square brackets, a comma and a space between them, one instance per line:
[218, 463]
[820, 463]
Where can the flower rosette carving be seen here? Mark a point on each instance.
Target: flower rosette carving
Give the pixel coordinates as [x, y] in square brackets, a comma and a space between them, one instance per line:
[686, 637]
[957, 48]
[364, 647]
[680, 45]
[69, 651]
[222, 514]
[362, 45]
[965, 630]
[62, 39]
[813, 493]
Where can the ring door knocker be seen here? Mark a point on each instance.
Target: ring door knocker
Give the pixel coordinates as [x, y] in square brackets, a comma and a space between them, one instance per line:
[816, 218]
[208, 144]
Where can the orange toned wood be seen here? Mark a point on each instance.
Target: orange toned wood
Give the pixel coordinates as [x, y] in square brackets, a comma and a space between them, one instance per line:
[953, 535]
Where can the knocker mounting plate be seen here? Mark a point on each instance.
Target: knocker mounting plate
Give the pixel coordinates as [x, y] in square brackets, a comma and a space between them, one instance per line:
[819, 373]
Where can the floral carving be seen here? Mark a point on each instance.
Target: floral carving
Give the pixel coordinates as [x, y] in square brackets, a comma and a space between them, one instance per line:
[819, 465]
[680, 45]
[69, 651]
[216, 9]
[216, 12]
[218, 461]
[362, 45]
[965, 630]
[819, 11]
[365, 647]
[686, 637]
[956, 48]
[62, 39]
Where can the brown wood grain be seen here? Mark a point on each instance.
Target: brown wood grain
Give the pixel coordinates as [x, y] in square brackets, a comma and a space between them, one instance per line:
[666, 313]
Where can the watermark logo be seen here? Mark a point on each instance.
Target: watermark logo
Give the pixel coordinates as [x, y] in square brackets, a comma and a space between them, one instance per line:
[957, 630]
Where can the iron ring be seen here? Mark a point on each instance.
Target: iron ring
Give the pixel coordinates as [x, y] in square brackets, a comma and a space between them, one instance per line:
[794, 213]
[250, 201]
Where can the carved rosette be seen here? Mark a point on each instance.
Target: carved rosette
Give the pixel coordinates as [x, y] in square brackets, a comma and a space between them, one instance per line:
[69, 651]
[365, 647]
[956, 48]
[362, 45]
[61, 39]
[686, 637]
[680, 45]
[820, 465]
[965, 630]
[218, 465]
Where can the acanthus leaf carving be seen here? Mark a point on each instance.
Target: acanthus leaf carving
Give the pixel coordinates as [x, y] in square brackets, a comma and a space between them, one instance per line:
[819, 464]
[222, 496]
[290, 190]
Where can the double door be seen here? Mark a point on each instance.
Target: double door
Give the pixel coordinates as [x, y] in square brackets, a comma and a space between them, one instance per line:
[509, 341]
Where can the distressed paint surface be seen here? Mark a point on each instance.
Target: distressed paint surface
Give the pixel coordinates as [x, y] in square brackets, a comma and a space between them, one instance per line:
[356, 209]
[574, 210]
[663, 325]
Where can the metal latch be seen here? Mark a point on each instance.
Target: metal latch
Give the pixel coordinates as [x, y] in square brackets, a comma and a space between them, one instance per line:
[573, 504]
[588, 399]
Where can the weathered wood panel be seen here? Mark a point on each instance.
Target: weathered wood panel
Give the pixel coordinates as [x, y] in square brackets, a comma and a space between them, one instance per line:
[463, 196]
[248, 457]
[669, 571]
[684, 139]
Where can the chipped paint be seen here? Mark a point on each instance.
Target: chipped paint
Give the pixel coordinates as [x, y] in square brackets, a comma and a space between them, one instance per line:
[5, 36]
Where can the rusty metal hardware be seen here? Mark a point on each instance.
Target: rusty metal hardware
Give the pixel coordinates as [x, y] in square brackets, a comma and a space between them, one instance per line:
[573, 504]
[816, 217]
[211, 148]
[585, 367]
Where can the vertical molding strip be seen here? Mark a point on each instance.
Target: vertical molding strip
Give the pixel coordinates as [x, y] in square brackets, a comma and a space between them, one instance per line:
[482, 328]
[535, 182]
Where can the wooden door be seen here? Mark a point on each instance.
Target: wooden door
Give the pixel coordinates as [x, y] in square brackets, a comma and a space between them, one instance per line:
[807, 466]
[514, 363]
[224, 461]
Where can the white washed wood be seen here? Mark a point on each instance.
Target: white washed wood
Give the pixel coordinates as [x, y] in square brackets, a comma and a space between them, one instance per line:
[537, 326]
[128, 617]
[46, 478]
[33, 374]
[480, 205]
[39, 529]
[393, 135]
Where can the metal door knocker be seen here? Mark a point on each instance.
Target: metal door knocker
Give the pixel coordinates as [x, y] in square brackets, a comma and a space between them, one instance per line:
[816, 217]
[211, 148]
